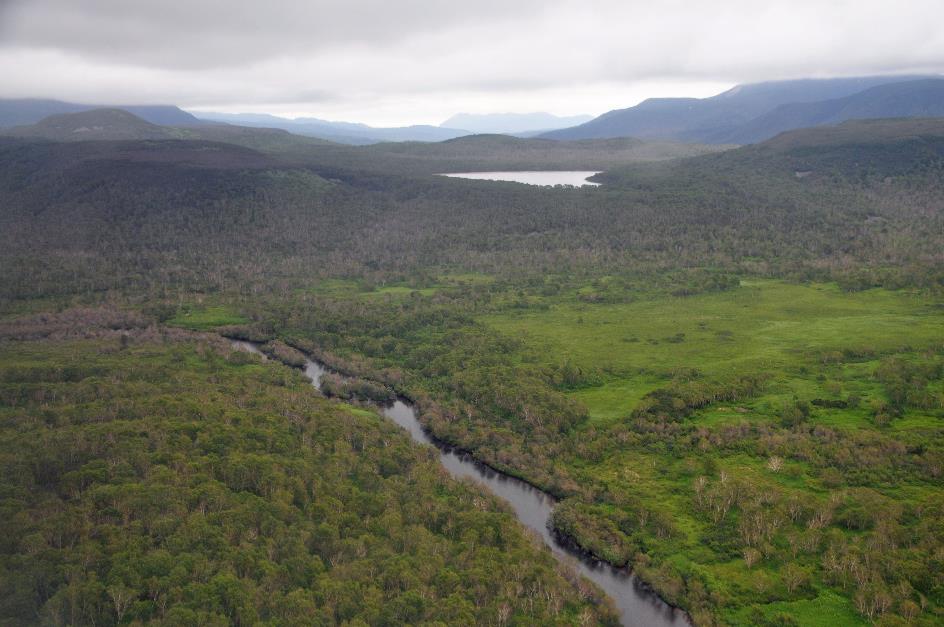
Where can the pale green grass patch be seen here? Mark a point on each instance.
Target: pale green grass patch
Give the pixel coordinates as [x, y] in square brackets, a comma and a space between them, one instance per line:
[763, 326]
[206, 318]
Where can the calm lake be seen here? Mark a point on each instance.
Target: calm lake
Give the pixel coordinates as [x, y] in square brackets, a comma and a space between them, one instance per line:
[575, 178]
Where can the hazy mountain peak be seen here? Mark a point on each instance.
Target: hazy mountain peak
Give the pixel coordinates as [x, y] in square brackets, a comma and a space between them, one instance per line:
[724, 118]
[512, 122]
[344, 132]
[22, 111]
[94, 124]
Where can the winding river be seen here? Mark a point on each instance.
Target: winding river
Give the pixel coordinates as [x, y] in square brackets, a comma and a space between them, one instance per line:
[637, 605]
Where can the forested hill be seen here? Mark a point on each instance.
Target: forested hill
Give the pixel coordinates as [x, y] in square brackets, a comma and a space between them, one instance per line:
[864, 147]
[861, 149]
[95, 124]
[119, 124]
[26, 111]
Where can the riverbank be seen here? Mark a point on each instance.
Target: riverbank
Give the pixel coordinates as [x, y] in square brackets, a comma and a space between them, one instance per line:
[636, 601]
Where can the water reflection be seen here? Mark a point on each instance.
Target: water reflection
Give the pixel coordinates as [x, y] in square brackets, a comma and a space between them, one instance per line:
[574, 178]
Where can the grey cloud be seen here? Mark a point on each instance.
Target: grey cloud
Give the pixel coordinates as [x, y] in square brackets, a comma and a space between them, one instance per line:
[416, 60]
[203, 34]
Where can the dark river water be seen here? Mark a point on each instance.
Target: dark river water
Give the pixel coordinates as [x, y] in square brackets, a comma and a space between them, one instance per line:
[638, 607]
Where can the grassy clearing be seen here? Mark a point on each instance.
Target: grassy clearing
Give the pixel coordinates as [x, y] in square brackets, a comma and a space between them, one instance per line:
[826, 610]
[401, 291]
[394, 291]
[819, 347]
[206, 318]
[765, 326]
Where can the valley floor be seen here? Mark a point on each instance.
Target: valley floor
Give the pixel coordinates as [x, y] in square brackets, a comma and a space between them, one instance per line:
[767, 452]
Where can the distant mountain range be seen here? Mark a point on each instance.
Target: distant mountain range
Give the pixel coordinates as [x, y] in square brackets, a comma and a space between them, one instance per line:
[20, 112]
[911, 99]
[754, 112]
[341, 132]
[24, 112]
[99, 124]
[513, 123]
[121, 125]
[459, 125]
[746, 114]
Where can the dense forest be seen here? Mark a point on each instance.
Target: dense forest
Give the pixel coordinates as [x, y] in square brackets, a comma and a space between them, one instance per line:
[728, 367]
[204, 216]
[162, 476]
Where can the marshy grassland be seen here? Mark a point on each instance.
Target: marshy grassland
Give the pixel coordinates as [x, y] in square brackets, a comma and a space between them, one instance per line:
[824, 357]
[788, 331]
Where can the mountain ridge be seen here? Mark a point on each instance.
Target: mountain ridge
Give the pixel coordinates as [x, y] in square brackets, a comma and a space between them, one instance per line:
[120, 125]
[341, 132]
[719, 118]
[911, 99]
[24, 111]
[94, 124]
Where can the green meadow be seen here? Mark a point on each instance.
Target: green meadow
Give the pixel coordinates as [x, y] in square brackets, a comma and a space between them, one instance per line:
[786, 330]
[205, 318]
[394, 291]
[817, 347]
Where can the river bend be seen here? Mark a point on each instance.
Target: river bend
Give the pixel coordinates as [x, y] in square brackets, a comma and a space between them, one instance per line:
[638, 606]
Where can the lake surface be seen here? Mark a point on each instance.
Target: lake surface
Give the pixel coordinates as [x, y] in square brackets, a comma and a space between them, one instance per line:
[543, 177]
[638, 606]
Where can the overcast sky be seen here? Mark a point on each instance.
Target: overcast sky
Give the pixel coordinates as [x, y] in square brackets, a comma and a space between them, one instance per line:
[394, 62]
